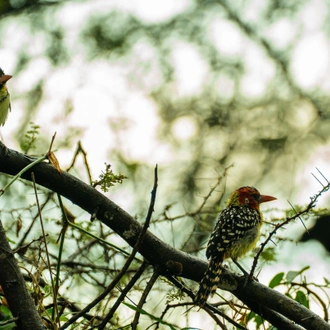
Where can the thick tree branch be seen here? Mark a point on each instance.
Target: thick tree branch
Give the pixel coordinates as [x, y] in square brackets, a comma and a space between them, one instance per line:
[16, 292]
[280, 303]
[157, 252]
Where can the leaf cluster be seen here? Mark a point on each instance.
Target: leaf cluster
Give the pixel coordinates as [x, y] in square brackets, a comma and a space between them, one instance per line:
[108, 179]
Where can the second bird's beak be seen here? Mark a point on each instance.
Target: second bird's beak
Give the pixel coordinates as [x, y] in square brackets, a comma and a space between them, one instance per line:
[266, 198]
[5, 78]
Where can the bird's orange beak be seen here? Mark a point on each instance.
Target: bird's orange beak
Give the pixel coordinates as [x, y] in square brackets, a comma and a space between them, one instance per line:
[266, 198]
[5, 78]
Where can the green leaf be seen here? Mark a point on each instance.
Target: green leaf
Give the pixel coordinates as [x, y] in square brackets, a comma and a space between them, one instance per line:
[9, 326]
[6, 316]
[302, 298]
[293, 274]
[250, 316]
[30, 138]
[269, 254]
[10, 240]
[108, 179]
[276, 280]
[6, 312]
[257, 319]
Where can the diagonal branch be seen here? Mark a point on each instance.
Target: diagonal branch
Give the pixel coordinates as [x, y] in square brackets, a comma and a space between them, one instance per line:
[13, 285]
[157, 252]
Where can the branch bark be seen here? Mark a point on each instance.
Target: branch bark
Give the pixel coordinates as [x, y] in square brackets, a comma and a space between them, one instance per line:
[157, 252]
[15, 290]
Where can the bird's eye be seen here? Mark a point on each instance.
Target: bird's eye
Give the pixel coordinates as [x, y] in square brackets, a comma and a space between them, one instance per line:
[256, 196]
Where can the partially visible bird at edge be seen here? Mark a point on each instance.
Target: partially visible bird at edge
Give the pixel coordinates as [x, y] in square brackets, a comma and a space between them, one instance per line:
[4, 97]
[236, 232]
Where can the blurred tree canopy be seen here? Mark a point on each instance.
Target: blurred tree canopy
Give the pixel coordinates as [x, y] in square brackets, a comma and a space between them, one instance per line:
[229, 82]
[224, 79]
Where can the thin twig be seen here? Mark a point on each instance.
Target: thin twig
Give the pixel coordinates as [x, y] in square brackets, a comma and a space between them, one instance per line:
[199, 209]
[301, 220]
[28, 230]
[81, 150]
[310, 206]
[316, 178]
[20, 173]
[12, 320]
[129, 260]
[55, 310]
[211, 310]
[51, 143]
[123, 294]
[322, 175]
[144, 296]
[317, 297]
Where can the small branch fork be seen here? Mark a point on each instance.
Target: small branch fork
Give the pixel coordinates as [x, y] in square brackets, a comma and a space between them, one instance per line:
[311, 205]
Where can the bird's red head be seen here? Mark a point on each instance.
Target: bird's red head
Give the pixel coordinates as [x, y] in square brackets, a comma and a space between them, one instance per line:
[248, 196]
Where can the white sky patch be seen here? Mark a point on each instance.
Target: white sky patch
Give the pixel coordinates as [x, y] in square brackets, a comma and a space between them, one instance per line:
[227, 37]
[310, 60]
[259, 72]
[152, 11]
[184, 128]
[147, 74]
[139, 140]
[149, 11]
[90, 100]
[309, 186]
[312, 16]
[302, 115]
[282, 33]
[225, 87]
[36, 70]
[253, 10]
[83, 12]
[190, 69]
[16, 36]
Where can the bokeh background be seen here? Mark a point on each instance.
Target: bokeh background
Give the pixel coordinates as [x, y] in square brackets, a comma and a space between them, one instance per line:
[236, 90]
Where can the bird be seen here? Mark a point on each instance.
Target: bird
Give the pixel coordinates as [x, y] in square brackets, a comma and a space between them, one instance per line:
[236, 232]
[4, 97]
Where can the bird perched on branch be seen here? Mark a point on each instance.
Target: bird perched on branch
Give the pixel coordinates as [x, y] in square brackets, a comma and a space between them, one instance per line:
[236, 232]
[4, 97]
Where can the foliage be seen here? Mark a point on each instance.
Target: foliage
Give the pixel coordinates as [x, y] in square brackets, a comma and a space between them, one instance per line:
[108, 179]
[30, 138]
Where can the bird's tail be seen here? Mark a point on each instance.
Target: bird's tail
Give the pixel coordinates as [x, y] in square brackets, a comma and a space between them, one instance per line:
[209, 282]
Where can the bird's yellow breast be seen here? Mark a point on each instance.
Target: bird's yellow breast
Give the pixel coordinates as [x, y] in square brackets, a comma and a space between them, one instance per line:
[245, 244]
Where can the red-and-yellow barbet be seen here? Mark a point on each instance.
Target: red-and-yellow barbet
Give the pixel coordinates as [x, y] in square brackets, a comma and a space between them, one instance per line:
[236, 232]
